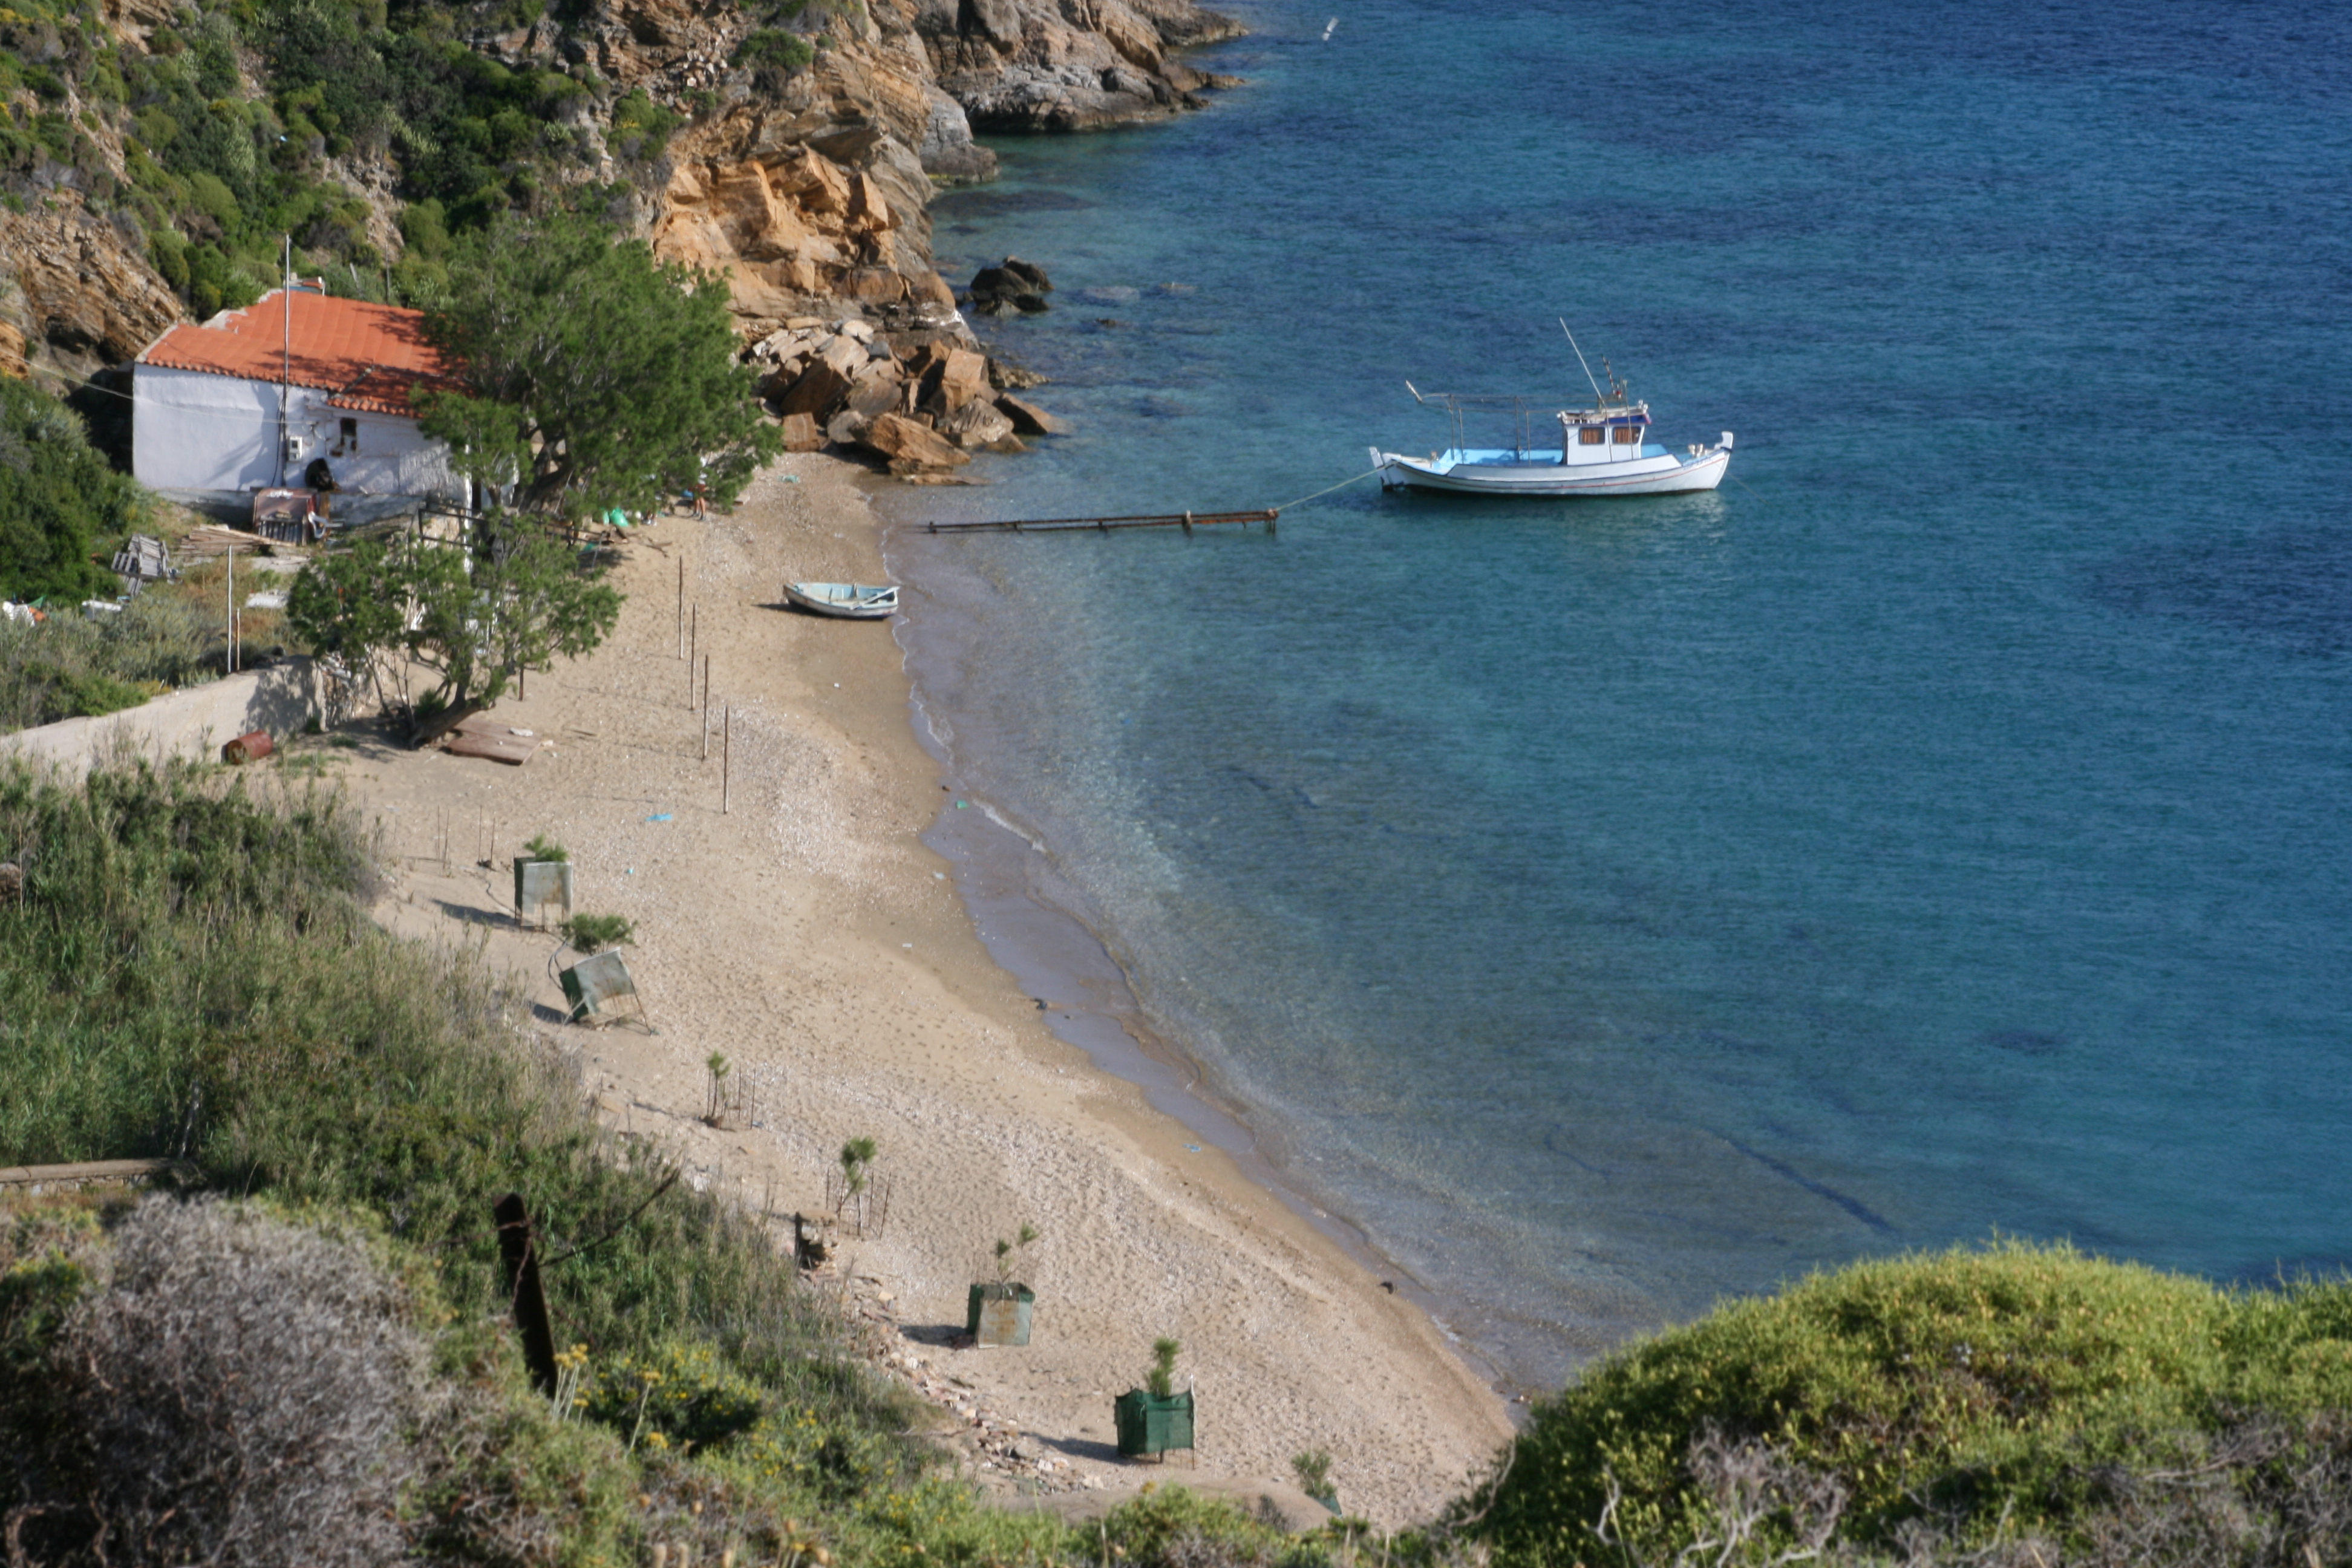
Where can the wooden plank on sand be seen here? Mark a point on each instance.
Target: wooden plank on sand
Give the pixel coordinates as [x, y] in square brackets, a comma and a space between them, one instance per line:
[512, 749]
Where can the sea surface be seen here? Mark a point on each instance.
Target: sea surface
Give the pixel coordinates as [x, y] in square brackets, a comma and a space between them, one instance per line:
[1610, 907]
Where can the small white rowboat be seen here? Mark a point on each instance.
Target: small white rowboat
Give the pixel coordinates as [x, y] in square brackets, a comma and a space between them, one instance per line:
[850, 601]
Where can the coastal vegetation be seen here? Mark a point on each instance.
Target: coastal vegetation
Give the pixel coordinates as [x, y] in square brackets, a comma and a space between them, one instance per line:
[594, 933]
[69, 666]
[595, 377]
[174, 140]
[190, 973]
[61, 503]
[2014, 1403]
[377, 606]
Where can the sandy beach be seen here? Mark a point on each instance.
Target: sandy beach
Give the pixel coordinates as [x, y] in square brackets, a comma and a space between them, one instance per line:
[808, 936]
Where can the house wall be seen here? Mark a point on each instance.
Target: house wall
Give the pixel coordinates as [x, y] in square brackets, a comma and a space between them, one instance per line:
[195, 431]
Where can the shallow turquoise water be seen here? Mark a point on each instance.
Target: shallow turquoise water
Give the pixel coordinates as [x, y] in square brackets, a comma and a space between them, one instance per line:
[1613, 905]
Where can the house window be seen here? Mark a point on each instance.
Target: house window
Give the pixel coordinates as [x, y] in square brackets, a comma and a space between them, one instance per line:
[349, 441]
[1591, 436]
[1627, 435]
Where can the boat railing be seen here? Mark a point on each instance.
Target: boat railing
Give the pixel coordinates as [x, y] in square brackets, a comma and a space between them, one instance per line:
[1526, 414]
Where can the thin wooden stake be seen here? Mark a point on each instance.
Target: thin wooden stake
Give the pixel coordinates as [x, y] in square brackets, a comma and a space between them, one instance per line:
[726, 758]
[681, 606]
[706, 734]
[693, 635]
[706, 686]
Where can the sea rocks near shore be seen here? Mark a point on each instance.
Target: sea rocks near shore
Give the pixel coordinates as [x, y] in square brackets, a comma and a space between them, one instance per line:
[1023, 65]
[922, 403]
[1013, 285]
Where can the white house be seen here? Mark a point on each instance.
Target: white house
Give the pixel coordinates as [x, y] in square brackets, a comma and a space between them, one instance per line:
[250, 398]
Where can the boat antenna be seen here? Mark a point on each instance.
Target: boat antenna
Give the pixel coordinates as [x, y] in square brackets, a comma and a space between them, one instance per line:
[1580, 360]
[1417, 397]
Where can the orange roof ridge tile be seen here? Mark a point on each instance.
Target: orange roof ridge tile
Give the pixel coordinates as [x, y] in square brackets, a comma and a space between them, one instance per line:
[370, 356]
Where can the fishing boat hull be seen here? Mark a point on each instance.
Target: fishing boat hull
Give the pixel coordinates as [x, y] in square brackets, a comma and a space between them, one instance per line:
[1505, 473]
[846, 601]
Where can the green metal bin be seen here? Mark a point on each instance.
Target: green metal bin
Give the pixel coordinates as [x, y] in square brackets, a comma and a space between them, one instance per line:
[1150, 1425]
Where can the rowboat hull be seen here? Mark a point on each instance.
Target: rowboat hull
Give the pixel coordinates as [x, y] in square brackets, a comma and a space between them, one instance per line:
[846, 601]
[1501, 474]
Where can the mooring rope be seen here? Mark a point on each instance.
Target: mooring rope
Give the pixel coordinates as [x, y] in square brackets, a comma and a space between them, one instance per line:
[1326, 489]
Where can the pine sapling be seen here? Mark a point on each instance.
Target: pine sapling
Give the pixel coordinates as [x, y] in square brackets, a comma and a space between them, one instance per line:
[1009, 1252]
[1162, 1379]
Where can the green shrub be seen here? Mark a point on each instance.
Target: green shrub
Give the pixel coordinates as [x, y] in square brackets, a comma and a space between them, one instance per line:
[69, 666]
[770, 49]
[61, 503]
[641, 127]
[591, 933]
[165, 1400]
[1992, 1387]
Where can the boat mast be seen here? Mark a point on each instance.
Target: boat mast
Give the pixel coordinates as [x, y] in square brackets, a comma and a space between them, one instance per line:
[1597, 398]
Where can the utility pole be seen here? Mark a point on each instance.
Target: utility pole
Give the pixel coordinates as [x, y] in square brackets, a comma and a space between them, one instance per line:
[285, 358]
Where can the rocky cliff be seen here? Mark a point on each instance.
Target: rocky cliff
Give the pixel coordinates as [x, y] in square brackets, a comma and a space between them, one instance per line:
[814, 132]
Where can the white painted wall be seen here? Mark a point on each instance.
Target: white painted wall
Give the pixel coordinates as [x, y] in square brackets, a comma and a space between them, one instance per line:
[195, 431]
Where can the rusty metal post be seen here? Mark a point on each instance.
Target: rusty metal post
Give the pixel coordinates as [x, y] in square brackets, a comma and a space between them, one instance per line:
[521, 1260]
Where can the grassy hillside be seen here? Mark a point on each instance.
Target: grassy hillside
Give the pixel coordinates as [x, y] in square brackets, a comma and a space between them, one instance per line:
[190, 971]
[2028, 1402]
[230, 125]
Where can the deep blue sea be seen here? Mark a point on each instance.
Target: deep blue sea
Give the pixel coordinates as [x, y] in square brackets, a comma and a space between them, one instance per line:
[1613, 906]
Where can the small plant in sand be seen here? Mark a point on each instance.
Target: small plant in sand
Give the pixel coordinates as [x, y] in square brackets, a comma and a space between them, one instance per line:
[594, 933]
[1009, 1254]
[859, 1197]
[542, 848]
[1155, 1418]
[1313, 1469]
[996, 1313]
[727, 1102]
[1159, 1382]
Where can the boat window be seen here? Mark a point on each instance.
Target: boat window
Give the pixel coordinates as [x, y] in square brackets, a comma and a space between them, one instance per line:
[1627, 435]
[1591, 436]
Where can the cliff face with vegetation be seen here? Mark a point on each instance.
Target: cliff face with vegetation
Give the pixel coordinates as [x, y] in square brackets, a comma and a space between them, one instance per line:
[151, 155]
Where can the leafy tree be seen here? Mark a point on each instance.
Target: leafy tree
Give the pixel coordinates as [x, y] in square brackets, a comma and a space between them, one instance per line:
[59, 501]
[595, 377]
[351, 604]
[546, 607]
[516, 602]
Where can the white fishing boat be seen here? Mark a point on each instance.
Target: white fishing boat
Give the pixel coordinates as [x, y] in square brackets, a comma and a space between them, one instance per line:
[850, 601]
[1603, 450]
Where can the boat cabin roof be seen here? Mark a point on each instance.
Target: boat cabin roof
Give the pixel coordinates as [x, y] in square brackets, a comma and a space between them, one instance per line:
[1639, 414]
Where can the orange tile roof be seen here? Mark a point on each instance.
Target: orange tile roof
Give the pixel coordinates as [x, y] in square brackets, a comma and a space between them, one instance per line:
[370, 356]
